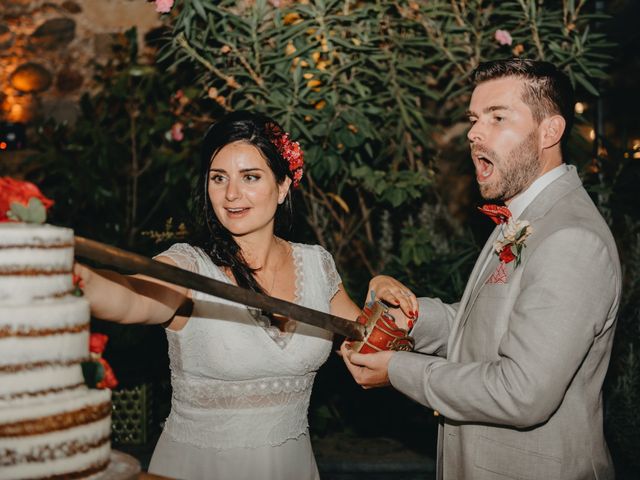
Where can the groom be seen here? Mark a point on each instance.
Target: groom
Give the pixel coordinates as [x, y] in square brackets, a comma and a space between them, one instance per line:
[515, 369]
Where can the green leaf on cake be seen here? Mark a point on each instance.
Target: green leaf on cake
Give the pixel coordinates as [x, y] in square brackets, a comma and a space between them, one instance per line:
[33, 212]
[93, 373]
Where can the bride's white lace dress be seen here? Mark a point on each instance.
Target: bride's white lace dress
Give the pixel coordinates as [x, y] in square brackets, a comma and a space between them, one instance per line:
[241, 387]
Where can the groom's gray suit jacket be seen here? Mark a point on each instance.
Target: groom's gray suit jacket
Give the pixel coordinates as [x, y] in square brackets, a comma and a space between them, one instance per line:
[516, 368]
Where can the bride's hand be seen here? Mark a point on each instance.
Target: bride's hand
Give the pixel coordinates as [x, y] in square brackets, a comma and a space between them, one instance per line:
[396, 294]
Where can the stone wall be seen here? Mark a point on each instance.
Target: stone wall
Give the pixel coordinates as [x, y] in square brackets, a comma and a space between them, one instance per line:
[48, 50]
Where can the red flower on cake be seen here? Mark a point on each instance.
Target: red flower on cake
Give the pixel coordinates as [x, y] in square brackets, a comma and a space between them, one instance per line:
[97, 344]
[109, 380]
[18, 192]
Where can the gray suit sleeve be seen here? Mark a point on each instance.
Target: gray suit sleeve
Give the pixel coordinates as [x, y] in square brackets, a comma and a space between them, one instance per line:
[433, 326]
[567, 291]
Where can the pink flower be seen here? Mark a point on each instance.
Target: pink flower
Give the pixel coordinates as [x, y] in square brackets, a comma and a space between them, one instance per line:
[503, 37]
[176, 132]
[275, 3]
[163, 6]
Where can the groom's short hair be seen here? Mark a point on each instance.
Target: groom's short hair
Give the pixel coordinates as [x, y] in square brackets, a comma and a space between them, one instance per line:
[547, 90]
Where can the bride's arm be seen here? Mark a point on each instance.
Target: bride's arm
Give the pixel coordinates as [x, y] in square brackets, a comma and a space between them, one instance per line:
[390, 291]
[343, 306]
[130, 298]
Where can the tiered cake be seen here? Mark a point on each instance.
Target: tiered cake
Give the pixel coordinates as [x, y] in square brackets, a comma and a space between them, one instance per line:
[51, 424]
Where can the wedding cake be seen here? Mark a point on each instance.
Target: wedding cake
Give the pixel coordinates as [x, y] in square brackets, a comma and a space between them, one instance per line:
[51, 424]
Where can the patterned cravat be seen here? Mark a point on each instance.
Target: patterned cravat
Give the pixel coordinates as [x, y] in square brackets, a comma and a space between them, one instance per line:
[498, 213]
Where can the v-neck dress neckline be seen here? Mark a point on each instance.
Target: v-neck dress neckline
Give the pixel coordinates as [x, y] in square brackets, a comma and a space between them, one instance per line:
[279, 337]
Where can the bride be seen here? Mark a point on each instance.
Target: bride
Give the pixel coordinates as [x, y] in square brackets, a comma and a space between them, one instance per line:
[241, 381]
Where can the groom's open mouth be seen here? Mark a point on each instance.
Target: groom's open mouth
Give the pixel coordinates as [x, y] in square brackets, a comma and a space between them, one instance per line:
[484, 166]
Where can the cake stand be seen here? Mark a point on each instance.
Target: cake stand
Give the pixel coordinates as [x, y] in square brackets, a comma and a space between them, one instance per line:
[121, 467]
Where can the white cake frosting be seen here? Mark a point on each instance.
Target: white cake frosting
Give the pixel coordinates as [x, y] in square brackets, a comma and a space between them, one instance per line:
[51, 424]
[88, 440]
[29, 235]
[35, 262]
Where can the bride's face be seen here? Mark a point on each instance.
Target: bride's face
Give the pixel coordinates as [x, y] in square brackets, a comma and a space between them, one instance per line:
[243, 189]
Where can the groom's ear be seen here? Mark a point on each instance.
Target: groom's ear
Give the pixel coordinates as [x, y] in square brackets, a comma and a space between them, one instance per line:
[551, 129]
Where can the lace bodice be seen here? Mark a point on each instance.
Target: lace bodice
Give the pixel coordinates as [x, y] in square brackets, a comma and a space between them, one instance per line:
[237, 381]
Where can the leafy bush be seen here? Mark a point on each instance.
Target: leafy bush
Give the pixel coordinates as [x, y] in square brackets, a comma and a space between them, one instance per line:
[118, 171]
[369, 88]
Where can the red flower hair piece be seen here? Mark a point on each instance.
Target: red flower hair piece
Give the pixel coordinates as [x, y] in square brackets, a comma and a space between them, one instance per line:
[289, 150]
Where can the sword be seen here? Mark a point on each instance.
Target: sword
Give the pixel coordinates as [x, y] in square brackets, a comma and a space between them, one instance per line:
[122, 259]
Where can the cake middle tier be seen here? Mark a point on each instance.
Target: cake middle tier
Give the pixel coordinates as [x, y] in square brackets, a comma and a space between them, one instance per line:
[42, 346]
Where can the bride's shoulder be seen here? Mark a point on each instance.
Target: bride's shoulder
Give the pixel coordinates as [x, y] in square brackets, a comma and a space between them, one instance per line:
[310, 249]
[183, 255]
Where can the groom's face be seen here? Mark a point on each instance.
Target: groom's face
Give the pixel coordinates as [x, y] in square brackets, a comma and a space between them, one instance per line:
[504, 139]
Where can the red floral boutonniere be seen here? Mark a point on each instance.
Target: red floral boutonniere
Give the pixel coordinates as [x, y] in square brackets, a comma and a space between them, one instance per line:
[515, 232]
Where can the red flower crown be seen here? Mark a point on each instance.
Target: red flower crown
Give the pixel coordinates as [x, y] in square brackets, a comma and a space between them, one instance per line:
[289, 150]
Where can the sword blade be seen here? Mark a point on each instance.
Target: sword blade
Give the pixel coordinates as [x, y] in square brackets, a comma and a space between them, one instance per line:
[121, 259]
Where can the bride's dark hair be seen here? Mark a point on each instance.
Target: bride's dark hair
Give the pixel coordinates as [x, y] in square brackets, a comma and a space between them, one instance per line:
[253, 129]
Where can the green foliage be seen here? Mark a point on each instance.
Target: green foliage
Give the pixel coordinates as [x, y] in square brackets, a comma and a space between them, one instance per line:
[117, 175]
[612, 178]
[117, 172]
[368, 88]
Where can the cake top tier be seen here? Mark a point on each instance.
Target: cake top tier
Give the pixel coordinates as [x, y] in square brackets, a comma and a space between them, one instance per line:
[36, 262]
[14, 234]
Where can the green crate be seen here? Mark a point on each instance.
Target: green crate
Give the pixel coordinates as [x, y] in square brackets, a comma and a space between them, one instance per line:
[131, 421]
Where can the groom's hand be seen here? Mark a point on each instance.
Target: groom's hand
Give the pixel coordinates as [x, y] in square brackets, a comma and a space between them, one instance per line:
[369, 370]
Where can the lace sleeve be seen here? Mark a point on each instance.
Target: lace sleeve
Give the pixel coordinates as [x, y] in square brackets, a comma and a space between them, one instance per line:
[183, 254]
[331, 275]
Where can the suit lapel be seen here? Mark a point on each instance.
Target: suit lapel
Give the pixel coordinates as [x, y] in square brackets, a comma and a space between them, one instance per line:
[491, 266]
[473, 286]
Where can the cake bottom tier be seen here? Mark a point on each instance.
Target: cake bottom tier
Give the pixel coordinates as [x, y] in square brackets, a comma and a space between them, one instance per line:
[58, 439]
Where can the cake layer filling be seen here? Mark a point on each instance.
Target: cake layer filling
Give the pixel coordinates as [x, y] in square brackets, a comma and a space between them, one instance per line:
[16, 289]
[43, 316]
[42, 259]
[85, 448]
[23, 234]
[45, 350]
[84, 407]
[37, 385]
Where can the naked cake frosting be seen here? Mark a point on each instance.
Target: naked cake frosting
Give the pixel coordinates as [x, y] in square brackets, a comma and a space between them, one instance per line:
[51, 424]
